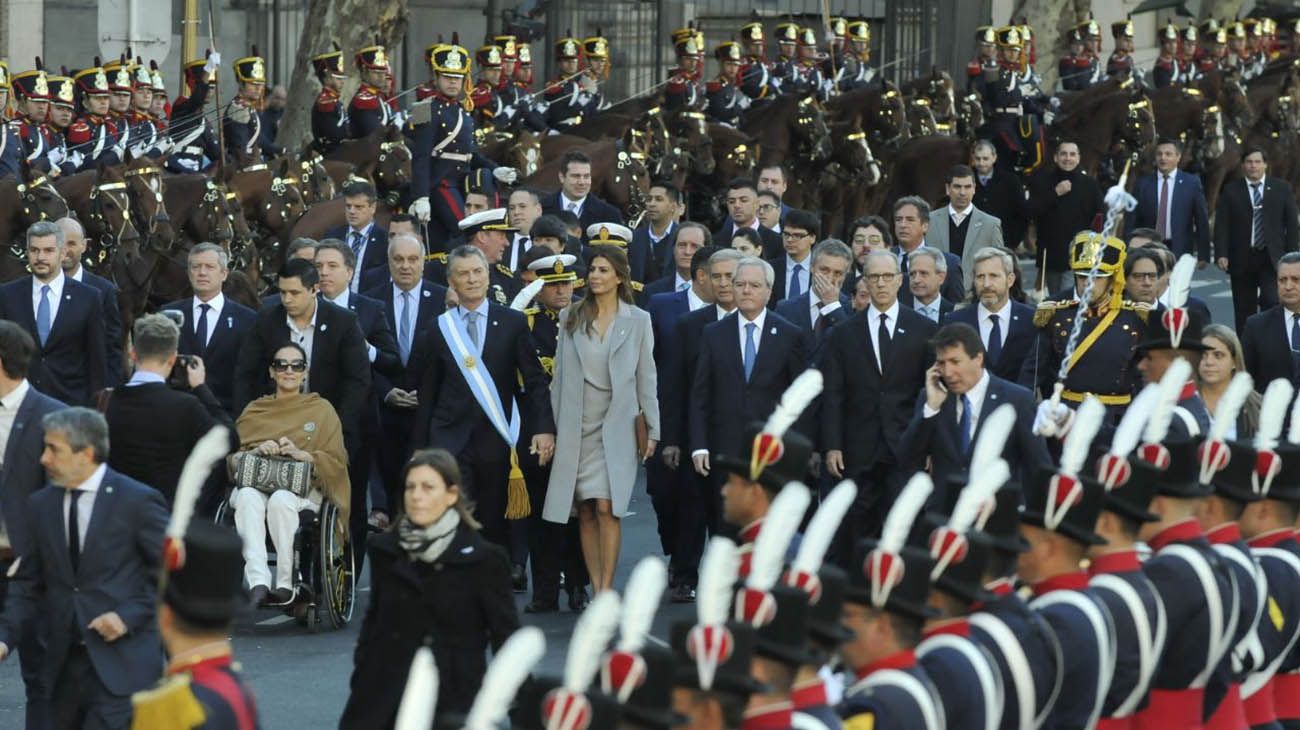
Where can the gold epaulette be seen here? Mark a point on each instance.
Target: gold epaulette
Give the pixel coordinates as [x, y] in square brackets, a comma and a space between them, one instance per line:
[637, 286]
[439, 257]
[169, 705]
[1047, 309]
[1142, 309]
[467, 103]
[579, 283]
[505, 270]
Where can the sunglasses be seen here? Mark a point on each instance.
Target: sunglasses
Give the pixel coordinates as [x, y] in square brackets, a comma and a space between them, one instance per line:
[298, 366]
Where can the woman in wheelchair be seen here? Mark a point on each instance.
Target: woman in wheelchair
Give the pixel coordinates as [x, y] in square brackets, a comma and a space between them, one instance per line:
[435, 581]
[293, 425]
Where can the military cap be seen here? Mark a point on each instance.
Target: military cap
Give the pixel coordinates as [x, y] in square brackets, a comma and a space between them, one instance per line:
[728, 51]
[859, 30]
[752, 31]
[1190, 34]
[596, 46]
[1236, 30]
[329, 63]
[839, 27]
[546, 704]
[887, 574]
[1065, 504]
[771, 461]
[1168, 33]
[1009, 37]
[479, 181]
[4, 75]
[1122, 28]
[92, 81]
[786, 32]
[207, 587]
[646, 678]
[556, 268]
[508, 45]
[62, 90]
[372, 58]
[141, 76]
[251, 69]
[118, 72]
[449, 60]
[1088, 246]
[807, 37]
[488, 56]
[525, 54]
[156, 78]
[486, 220]
[1089, 28]
[986, 34]
[32, 85]
[613, 234]
[568, 48]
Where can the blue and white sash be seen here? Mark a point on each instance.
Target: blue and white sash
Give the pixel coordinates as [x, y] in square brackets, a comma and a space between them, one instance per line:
[479, 380]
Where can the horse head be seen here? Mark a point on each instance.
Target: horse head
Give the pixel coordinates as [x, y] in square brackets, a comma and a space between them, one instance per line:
[1234, 101]
[108, 223]
[285, 203]
[1139, 130]
[526, 153]
[41, 201]
[144, 185]
[630, 184]
[939, 90]
[690, 131]
[972, 116]
[393, 165]
[1213, 141]
[317, 185]
[889, 121]
[214, 221]
[811, 130]
[921, 118]
[734, 152]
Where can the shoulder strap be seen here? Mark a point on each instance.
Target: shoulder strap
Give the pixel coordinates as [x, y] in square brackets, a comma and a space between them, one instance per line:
[990, 680]
[1219, 638]
[1150, 642]
[1103, 633]
[921, 694]
[1259, 680]
[1250, 647]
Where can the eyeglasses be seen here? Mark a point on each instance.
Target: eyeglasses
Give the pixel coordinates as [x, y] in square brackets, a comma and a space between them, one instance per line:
[767, 207]
[298, 366]
[1144, 276]
[879, 278]
[794, 234]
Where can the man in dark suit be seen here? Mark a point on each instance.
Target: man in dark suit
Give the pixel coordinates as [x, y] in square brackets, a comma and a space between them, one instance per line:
[742, 210]
[874, 365]
[575, 193]
[1254, 225]
[493, 340]
[824, 305]
[1005, 327]
[960, 393]
[911, 223]
[1000, 193]
[214, 327]
[91, 569]
[1270, 340]
[369, 242]
[793, 270]
[927, 270]
[338, 367]
[524, 207]
[21, 474]
[659, 228]
[74, 247]
[1139, 289]
[1172, 202]
[64, 317]
[690, 238]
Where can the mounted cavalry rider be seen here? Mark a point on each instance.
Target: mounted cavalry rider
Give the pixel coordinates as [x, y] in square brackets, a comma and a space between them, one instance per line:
[371, 107]
[329, 121]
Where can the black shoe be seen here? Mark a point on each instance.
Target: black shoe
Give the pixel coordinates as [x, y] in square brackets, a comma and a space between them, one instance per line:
[537, 605]
[578, 600]
[258, 595]
[280, 597]
[519, 579]
[683, 594]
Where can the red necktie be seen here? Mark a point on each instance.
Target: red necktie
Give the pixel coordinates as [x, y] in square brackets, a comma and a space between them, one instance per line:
[1162, 216]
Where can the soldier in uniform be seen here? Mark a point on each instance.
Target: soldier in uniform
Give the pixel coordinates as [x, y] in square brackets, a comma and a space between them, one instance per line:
[1102, 363]
[92, 138]
[118, 72]
[144, 132]
[568, 96]
[856, 72]
[736, 87]
[195, 144]
[1187, 47]
[11, 150]
[753, 44]
[1014, 115]
[202, 687]
[1170, 69]
[1120, 64]
[329, 120]
[785, 69]
[523, 77]
[684, 91]
[1095, 71]
[371, 108]
[516, 104]
[1254, 57]
[487, 104]
[161, 107]
[810, 80]
[1074, 67]
[985, 63]
[596, 51]
[32, 92]
[241, 121]
[59, 118]
[1212, 46]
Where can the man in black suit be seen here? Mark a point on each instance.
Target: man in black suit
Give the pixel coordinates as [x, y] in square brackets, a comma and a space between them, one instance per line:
[64, 317]
[1063, 200]
[338, 367]
[575, 194]
[152, 424]
[21, 409]
[793, 270]
[824, 305]
[369, 242]
[1139, 289]
[1270, 340]
[999, 193]
[874, 365]
[659, 228]
[1173, 203]
[92, 569]
[74, 247]
[524, 207]
[691, 237]
[410, 305]
[1254, 225]
[927, 270]
[481, 337]
[959, 394]
[742, 210]
[1005, 326]
[214, 327]
[911, 223]
[746, 361]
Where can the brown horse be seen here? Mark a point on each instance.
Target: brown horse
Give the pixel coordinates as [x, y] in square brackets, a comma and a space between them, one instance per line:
[1109, 130]
[880, 112]
[272, 202]
[689, 131]
[99, 199]
[331, 214]
[315, 180]
[521, 150]
[919, 168]
[383, 157]
[618, 177]
[147, 188]
[27, 201]
[937, 89]
[788, 127]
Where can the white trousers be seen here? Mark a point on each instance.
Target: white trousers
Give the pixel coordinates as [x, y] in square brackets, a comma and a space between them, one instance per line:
[256, 511]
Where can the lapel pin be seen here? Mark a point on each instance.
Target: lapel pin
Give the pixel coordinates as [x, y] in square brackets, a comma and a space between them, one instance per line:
[494, 323]
[108, 490]
[230, 322]
[467, 550]
[426, 292]
[773, 330]
[322, 327]
[993, 396]
[901, 331]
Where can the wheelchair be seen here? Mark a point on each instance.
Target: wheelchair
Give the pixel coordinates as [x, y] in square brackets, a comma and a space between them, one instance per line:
[324, 569]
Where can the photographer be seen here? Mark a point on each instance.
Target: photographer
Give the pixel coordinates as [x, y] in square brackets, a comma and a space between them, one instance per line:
[156, 418]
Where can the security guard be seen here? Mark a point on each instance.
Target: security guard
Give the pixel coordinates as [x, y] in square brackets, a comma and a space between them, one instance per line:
[195, 144]
[1102, 361]
[242, 122]
[983, 68]
[202, 687]
[32, 92]
[59, 118]
[11, 147]
[92, 138]
[855, 72]
[736, 86]
[1170, 68]
[371, 108]
[684, 91]
[329, 121]
[1120, 65]
[487, 104]
[566, 97]
[1253, 56]
[785, 69]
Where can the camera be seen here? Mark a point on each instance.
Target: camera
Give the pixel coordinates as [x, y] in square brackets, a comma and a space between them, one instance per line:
[179, 377]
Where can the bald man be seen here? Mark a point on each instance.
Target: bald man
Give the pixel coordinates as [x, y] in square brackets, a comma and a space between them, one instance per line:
[74, 251]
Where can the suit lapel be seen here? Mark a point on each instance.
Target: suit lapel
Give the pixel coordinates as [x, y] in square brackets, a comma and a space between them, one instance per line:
[105, 503]
[20, 422]
[769, 340]
[64, 314]
[992, 399]
[619, 329]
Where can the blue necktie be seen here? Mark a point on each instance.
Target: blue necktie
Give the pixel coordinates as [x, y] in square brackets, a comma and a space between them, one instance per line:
[796, 288]
[1295, 333]
[43, 315]
[1257, 215]
[995, 340]
[750, 350]
[201, 328]
[356, 246]
[404, 328]
[684, 286]
[963, 424]
[471, 319]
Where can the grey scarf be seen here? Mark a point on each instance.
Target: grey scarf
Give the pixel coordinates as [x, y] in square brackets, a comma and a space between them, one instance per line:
[427, 544]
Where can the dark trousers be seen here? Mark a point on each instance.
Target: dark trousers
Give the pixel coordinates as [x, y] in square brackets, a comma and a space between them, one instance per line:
[1253, 290]
[484, 476]
[81, 702]
[552, 547]
[878, 486]
[31, 661]
[697, 510]
[394, 450]
[661, 484]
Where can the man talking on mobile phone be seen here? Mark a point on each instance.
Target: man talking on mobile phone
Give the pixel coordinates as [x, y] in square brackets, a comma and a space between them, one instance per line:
[960, 393]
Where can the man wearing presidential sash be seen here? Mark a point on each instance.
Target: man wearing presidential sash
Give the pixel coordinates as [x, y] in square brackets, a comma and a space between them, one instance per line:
[470, 396]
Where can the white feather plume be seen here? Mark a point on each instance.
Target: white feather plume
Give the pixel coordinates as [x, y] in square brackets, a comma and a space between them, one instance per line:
[779, 527]
[508, 670]
[1293, 433]
[1129, 432]
[713, 592]
[1180, 280]
[823, 526]
[526, 296]
[421, 693]
[640, 602]
[983, 485]
[589, 640]
[1087, 422]
[794, 401]
[1162, 411]
[898, 523]
[1230, 403]
[994, 431]
[209, 450]
[1272, 414]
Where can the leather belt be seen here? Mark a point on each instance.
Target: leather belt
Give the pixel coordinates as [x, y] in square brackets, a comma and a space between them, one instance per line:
[1107, 400]
[455, 156]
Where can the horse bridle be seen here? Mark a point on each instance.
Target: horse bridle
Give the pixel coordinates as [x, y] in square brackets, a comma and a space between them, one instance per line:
[805, 121]
[893, 109]
[385, 149]
[1133, 122]
[627, 165]
[309, 169]
[97, 195]
[27, 192]
[151, 175]
[212, 210]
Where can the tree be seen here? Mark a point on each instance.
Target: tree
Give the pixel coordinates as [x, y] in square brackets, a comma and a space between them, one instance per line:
[353, 24]
[1051, 21]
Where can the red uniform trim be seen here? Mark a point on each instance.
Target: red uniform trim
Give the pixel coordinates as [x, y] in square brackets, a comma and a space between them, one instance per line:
[1188, 529]
[905, 659]
[1124, 561]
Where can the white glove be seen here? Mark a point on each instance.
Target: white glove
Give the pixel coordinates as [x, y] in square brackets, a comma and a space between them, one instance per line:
[55, 156]
[187, 163]
[507, 175]
[164, 146]
[399, 119]
[214, 62]
[420, 209]
[587, 83]
[1048, 117]
[119, 149]
[137, 151]
[75, 158]
[1052, 420]
[1116, 197]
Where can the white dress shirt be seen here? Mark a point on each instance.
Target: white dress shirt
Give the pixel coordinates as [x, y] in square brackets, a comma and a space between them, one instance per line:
[650, 231]
[873, 327]
[693, 300]
[805, 275]
[1166, 180]
[817, 310]
[986, 326]
[305, 336]
[342, 301]
[55, 296]
[518, 247]
[680, 283]
[144, 377]
[722, 312]
[929, 311]
[976, 397]
[9, 411]
[86, 505]
[215, 305]
[758, 331]
[958, 216]
[361, 252]
[573, 205]
[1289, 319]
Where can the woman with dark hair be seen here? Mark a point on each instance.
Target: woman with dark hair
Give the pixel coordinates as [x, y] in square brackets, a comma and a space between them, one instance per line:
[748, 242]
[434, 581]
[604, 379]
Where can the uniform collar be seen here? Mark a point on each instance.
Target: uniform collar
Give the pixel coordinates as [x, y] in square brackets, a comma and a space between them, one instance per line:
[959, 626]
[1185, 531]
[217, 658]
[1272, 538]
[1228, 532]
[810, 694]
[1123, 561]
[776, 716]
[749, 533]
[905, 659]
[1073, 581]
[1189, 390]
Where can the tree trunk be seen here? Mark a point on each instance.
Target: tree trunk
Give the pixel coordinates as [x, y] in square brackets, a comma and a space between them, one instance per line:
[1221, 8]
[353, 24]
[1051, 21]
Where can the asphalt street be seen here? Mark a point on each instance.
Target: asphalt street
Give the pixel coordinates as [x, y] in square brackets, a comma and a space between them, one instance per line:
[301, 678]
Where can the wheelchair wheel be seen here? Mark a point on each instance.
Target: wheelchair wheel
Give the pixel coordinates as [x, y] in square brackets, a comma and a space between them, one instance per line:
[225, 514]
[337, 580]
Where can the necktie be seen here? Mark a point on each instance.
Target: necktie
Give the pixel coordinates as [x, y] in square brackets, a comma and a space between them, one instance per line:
[1295, 333]
[750, 350]
[796, 288]
[1162, 215]
[43, 315]
[472, 325]
[883, 338]
[820, 325]
[404, 328]
[356, 245]
[684, 286]
[74, 530]
[201, 327]
[984, 181]
[994, 347]
[1257, 215]
[963, 424]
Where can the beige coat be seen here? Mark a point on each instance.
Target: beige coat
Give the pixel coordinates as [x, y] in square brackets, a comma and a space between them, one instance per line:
[632, 369]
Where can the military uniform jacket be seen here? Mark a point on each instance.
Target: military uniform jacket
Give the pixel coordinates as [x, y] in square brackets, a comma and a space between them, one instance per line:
[1102, 363]
[487, 105]
[1279, 626]
[94, 137]
[1141, 628]
[205, 695]
[812, 710]
[57, 139]
[329, 122]
[966, 677]
[683, 91]
[853, 73]
[442, 132]
[1027, 654]
[567, 104]
[977, 71]
[243, 127]
[11, 153]
[1246, 653]
[369, 110]
[192, 135]
[725, 102]
[1087, 635]
[1170, 71]
[33, 142]
[895, 693]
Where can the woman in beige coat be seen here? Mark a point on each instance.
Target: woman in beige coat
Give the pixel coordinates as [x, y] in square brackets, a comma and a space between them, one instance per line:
[604, 377]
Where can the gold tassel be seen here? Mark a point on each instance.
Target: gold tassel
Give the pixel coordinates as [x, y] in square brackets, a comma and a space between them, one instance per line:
[517, 504]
